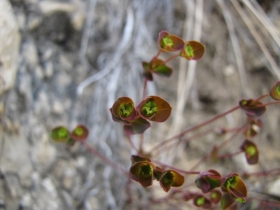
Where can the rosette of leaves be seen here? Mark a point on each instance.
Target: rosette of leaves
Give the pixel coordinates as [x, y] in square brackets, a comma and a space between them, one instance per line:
[275, 91]
[80, 133]
[60, 134]
[123, 111]
[253, 109]
[208, 180]
[202, 202]
[254, 127]
[251, 151]
[143, 172]
[137, 126]
[156, 66]
[171, 178]
[234, 190]
[154, 109]
[169, 43]
[192, 50]
[215, 196]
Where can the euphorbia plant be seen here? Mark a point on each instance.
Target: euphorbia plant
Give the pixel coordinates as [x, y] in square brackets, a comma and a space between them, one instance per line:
[213, 188]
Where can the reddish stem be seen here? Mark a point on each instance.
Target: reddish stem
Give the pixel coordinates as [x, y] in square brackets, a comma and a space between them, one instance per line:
[161, 144]
[219, 147]
[156, 150]
[105, 159]
[130, 142]
[272, 103]
[171, 58]
[261, 97]
[175, 169]
[144, 88]
[230, 155]
[157, 54]
[265, 173]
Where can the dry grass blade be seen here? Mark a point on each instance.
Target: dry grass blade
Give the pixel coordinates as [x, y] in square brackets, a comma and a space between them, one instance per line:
[259, 13]
[186, 82]
[273, 66]
[236, 46]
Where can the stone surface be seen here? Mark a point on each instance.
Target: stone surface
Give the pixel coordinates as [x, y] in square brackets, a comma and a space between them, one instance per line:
[9, 46]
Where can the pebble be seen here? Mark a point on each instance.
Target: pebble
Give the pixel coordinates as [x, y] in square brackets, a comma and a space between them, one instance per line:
[9, 49]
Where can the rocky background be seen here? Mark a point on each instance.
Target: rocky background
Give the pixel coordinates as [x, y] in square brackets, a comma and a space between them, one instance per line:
[65, 62]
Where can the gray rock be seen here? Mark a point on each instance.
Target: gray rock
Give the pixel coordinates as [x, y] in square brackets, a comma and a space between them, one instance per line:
[9, 46]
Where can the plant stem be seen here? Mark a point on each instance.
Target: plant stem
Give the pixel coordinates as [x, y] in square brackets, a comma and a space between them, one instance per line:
[176, 169]
[144, 89]
[265, 173]
[159, 51]
[156, 150]
[219, 147]
[230, 155]
[272, 103]
[105, 159]
[261, 97]
[161, 144]
[130, 142]
[171, 58]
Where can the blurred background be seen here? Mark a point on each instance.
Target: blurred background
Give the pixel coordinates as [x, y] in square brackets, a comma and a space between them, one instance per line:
[65, 62]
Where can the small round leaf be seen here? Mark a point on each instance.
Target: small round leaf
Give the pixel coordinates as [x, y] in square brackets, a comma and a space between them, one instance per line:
[251, 151]
[275, 91]
[254, 109]
[169, 43]
[142, 172]
[60, 134]
[193, 50]
[123, 108]
[155, 109]
[137, 126]
[80, 133]
[171, 178]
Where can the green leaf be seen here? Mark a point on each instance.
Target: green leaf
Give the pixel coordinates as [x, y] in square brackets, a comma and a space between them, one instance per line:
[147, 72]
[227, 201]
[253, 109]
[215, 196]
[234, 185]
[155, 109]
[80, 133]
[193, 50]
[202, 202]
[60, 134]
[137, 126]
[158, 67]
[171, 178]
[251, 151]
[208, 180]
[123, 108]
[142, 172]
[169, 43]
[275, 91]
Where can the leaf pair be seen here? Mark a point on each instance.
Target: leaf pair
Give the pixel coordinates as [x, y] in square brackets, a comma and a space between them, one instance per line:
[62, 134]
[208, 180]
[206, 202]
[191, 50]
[234, 190]
[251, 151]
[156, 66]
[153, 108]
[144, 172]
[253, 108]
